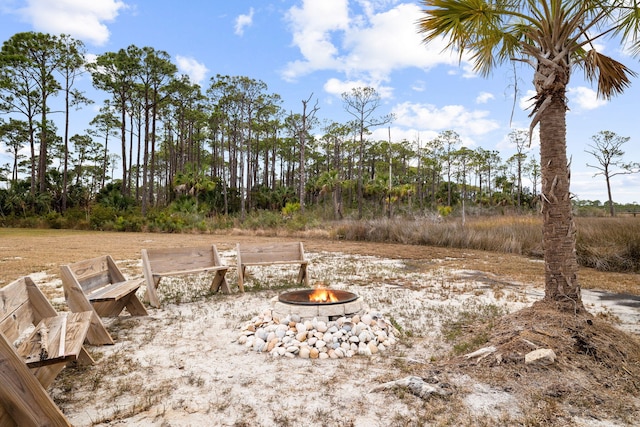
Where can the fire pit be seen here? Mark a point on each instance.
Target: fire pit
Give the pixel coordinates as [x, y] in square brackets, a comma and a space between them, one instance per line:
[317, 296]
[321, 303]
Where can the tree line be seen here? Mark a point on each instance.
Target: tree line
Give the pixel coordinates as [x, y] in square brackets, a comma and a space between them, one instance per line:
[228, 148]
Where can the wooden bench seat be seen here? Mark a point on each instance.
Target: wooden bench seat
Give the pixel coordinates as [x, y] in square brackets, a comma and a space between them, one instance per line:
[163, 262]
[47, 340]
[271, 254]
[97, 284]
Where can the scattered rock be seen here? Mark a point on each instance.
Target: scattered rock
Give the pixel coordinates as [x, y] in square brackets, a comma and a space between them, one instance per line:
[542, 356]
[416, 386]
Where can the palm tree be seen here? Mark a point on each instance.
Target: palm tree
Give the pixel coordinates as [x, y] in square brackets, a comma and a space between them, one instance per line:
[554, 37]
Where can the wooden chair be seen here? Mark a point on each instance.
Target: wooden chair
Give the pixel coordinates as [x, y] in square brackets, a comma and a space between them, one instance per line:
[98, 284]
[271, 254]
[23, 400]
[47, 341]
[163, 262]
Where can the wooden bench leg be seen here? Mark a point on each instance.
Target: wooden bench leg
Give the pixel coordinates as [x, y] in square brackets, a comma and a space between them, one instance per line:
[85, 359]
[97, 334]
[23, 400]
[241, 272]
[302, 275]
[219, 281]
[109, 308]
[46, 374]
[151, 294]
[134, 306]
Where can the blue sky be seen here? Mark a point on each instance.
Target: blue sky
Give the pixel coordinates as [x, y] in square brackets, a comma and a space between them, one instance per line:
[326, 47]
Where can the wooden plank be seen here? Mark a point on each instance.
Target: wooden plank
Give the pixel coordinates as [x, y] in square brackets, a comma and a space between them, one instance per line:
[66, 334]
[22, 397]
[115, 291]
[264, 263]
[166, 260]
[187, 272]
[275, 252]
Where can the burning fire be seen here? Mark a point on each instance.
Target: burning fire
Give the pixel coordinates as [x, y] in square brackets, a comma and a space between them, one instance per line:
[321, 294]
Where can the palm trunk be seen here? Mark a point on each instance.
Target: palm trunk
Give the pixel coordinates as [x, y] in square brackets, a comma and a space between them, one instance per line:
[561, 282]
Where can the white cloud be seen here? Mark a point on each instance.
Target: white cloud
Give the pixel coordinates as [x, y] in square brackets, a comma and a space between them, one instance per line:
[368, 47]
[585, 98]
[338, 87]
[312, 26]
[580, 98]
[81, 19]
[243, 21]
[194, 69]
[526, 102]
[429, 117]
[484, 97]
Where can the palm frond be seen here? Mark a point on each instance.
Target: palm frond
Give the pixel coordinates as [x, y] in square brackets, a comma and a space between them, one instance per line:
[474, 26]
[612, 76]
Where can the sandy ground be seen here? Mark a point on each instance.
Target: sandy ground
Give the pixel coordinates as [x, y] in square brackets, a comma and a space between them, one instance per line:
[182, 365]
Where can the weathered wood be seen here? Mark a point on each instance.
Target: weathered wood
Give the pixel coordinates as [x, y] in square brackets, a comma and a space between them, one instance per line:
[164, 262]
[48, 340]
[23, 400]
[97, 284]
[271, 254]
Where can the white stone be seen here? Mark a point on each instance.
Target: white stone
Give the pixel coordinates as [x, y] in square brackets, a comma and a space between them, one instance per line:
[320, 344]
[308, 325]
[304, 352]
[323, 356]
[366, 319]
[259, 344]
[301, 327]
[321, 327]
[541, 356]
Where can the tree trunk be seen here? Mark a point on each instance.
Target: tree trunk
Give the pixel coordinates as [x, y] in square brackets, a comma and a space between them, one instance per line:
[559, 232]
[612, 212]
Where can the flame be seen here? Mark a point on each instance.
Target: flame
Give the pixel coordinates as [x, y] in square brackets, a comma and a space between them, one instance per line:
[321, 294]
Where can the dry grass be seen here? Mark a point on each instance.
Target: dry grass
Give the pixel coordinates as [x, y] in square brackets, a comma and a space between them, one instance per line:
[607, 244]
[597, 365]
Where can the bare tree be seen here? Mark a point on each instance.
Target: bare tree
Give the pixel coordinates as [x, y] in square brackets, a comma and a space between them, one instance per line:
[608, 152]
[520, 138]
[361, 103]
[307, 120]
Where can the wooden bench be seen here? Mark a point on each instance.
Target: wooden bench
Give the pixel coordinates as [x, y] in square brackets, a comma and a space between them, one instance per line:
[47, 341]
[159, 263]
[97, 284]
[270, 254]
[23, 400]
